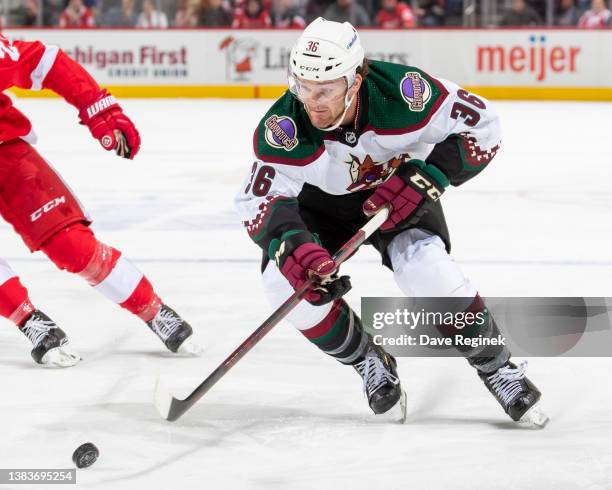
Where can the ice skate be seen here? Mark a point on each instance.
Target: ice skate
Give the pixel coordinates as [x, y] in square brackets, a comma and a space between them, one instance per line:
[50, 342]
[517, 395]
[381, 383]
[174, 332]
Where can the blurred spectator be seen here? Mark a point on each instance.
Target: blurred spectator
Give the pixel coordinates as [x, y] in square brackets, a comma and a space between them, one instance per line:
[582, 6]
[431, 13]
[241, 5]
[348, 11]
[568, 14]
[453, 13]
[25, 14]
[52, 9]
[215, 14]
[521, 14]
[287, 14]
[253, 16]
[76, 14]
[123, 15]
[150, 17]
[187, 13]
[596, 18]
[168, 7]
[93, 5]
[316, 8]
[394, 15]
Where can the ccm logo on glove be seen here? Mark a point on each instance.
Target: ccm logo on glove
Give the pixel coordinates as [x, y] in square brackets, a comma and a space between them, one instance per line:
[407, 192]
[422, 183]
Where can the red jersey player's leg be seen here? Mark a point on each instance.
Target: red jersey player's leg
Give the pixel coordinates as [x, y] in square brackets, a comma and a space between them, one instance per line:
[15, 304]
[47, 215]
[50, 344]
[77, 250]
[33, 198]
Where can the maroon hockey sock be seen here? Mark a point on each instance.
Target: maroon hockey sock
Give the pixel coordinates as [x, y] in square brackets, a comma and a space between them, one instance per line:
[339, 334]
[477, 322]
[321, 330]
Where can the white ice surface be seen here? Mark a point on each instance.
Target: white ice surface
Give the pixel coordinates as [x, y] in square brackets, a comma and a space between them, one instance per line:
[287, 417]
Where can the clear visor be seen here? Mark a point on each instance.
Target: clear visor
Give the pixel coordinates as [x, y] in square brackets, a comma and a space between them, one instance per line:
[319, 92]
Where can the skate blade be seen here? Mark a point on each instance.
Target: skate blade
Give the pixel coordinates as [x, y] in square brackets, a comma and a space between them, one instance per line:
[535, 417]
[62, 357]
[398, 412]
[190, 348]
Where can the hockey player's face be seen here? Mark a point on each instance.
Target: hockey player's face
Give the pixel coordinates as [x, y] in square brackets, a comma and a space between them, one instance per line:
[324, 101]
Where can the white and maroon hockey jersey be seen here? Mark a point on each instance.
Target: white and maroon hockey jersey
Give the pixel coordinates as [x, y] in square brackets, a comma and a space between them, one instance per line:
[403, 113]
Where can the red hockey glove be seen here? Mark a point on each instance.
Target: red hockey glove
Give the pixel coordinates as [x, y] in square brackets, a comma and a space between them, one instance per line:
[414, 184]
[299, 257]
[108, 124]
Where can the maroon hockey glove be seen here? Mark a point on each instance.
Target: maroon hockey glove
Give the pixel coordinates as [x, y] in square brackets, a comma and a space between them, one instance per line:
[299, 257]
[414, 184]
[108, 124]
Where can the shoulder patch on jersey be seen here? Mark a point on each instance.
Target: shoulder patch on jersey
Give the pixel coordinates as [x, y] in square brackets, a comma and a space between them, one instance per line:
[415, 90]
[281, 132]
[401, 98]
[285, 136]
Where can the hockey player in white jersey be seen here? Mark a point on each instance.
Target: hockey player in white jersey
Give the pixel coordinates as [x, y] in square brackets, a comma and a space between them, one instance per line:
[349, 137]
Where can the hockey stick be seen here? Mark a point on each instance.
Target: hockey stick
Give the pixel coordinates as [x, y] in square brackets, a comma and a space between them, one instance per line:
[171, 408]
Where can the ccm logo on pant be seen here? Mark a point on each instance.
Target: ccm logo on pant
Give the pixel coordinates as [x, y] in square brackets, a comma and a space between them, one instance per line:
[53, 203]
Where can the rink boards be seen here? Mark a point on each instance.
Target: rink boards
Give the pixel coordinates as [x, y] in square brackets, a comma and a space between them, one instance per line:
[553, 64]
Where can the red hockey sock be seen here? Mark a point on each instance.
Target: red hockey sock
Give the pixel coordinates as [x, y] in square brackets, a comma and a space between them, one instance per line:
[143, 302]
[14, 301]
[77, 250]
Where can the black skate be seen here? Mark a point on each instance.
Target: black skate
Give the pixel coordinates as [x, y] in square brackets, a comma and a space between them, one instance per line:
[517, 395]
[49, 341]
[380, 381]
[173, 331]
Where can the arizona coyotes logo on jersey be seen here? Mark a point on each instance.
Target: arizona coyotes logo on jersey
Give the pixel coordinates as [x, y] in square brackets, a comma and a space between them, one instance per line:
[369, 173]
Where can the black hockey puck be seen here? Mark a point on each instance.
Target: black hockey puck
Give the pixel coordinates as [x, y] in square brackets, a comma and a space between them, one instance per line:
[85, 455]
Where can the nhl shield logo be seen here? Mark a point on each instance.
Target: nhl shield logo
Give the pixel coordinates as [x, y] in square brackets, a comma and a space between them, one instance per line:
[281, 132]
[350, 137]
[415, 90]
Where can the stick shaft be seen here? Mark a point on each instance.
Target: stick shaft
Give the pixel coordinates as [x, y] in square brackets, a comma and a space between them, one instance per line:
[179, 407]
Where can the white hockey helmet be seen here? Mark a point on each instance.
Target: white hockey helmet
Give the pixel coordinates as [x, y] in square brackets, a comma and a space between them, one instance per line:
[326, 50]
